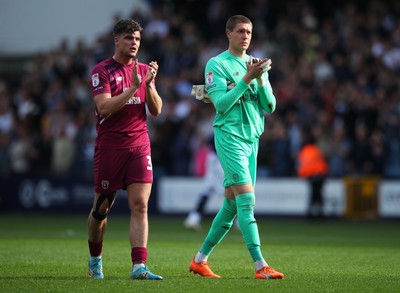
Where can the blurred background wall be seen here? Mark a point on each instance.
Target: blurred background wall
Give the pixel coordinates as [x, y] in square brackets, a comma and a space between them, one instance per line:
[27, 27]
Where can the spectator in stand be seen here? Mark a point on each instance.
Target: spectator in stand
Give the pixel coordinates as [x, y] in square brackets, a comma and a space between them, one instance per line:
[6, 126]
[338, 152]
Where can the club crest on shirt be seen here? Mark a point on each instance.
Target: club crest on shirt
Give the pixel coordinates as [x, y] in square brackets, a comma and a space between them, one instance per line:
[209, 77]
[105, 184]
[95, 80]
[235, 177]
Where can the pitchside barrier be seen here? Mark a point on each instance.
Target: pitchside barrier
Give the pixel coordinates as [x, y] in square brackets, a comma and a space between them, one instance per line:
[350, 197]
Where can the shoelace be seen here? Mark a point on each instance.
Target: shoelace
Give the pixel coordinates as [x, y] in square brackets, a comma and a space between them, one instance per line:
[96, 266]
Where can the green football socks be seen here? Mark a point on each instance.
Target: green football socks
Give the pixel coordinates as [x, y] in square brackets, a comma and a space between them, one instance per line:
[220, 226]
[245, 210]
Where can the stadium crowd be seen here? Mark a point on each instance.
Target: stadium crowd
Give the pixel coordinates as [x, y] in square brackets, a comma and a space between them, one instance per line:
[335, 72]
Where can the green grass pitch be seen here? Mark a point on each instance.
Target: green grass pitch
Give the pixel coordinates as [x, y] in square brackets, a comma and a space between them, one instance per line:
[49, 254]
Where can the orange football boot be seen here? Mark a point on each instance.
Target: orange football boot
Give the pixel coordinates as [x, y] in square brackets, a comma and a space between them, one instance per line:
[202, 268]
[268, 273]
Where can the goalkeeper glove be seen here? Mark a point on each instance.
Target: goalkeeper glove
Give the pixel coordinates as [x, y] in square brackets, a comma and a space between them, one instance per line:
[201, 94]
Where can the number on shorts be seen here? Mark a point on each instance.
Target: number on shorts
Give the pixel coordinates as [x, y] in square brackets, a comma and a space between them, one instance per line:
[150, 165]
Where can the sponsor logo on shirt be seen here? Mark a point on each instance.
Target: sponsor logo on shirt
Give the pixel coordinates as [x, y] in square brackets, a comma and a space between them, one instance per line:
[249, 97]
[134, 101]
[210, 87]
[118, 79]
[95, 80]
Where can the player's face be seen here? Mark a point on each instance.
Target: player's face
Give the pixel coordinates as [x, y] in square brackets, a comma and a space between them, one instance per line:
[128, 44]
[240, 37]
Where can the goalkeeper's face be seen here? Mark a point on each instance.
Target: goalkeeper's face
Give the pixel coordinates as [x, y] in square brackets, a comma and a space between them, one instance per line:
[240, 37]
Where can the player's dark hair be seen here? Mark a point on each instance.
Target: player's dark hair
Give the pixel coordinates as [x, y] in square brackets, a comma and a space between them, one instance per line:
[234, 20]
[124, 26]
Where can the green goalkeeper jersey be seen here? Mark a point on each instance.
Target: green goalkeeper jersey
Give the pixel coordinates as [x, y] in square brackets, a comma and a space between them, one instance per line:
[240, 110]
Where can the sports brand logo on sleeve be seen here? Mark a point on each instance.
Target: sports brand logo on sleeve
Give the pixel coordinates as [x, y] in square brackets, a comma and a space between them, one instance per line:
[209, 78]
[95, 80]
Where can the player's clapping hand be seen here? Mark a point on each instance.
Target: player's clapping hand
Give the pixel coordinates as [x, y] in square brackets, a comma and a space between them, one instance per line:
[254, 70]
[256, 67]
[265, 64]
[135, 77]
[152, 72]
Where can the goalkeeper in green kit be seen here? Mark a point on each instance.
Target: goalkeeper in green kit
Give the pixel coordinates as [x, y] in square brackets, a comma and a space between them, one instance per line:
[239, 89]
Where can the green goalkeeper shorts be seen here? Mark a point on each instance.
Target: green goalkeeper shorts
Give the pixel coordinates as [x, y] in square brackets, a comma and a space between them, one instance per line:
[238, 158]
